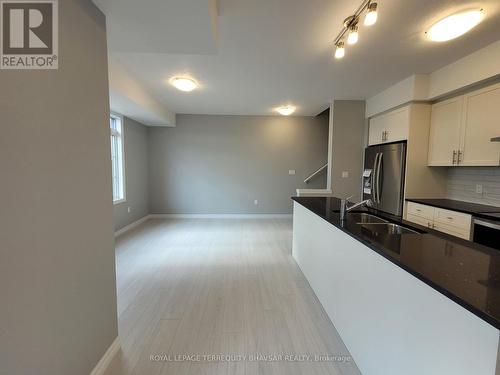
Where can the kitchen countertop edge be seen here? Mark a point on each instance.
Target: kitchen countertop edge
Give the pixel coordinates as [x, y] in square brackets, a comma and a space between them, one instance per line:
[380, 250]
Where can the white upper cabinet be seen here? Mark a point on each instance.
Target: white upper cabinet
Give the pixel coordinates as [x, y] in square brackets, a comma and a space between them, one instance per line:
[462, 128]
[390, 127]
[482, 122]
[446, 130]
[376, 131]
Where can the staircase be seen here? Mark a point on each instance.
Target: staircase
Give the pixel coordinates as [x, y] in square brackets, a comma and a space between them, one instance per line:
[314, 192]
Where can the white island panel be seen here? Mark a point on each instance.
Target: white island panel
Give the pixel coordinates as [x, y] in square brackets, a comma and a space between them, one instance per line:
[391, 322]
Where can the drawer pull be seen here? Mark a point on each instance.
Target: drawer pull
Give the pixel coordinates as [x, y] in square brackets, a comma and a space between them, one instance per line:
[418, 210]
[449, 218]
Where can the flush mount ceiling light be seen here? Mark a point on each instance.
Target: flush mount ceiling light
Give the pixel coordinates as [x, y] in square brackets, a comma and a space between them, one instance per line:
[286, 110]
[350, 26]
[455, 25]
[184, 84]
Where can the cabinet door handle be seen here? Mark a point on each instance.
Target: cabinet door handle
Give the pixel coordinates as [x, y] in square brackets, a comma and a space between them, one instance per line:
[454, 156]
[384, 135]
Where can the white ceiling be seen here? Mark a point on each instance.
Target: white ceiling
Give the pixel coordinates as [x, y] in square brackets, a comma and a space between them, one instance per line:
[263, 53]
[161, 26]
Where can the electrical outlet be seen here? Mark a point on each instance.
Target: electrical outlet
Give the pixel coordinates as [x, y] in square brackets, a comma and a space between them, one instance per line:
[129, 209]
[479, 189]
[345, 174]
[291, 172]
[256, 202]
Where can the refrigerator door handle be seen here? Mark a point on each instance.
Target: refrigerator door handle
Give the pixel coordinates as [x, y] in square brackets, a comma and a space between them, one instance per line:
[378, 176]
[374, 196]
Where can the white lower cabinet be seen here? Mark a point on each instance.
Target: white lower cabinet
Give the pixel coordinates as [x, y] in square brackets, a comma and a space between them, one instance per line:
[452, 230]
[450, 222]
[419, 220]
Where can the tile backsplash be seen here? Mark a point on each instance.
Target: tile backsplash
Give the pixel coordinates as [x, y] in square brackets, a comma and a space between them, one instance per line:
[462, 183]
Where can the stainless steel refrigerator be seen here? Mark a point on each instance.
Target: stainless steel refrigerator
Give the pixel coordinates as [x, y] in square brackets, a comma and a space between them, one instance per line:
[384, 177]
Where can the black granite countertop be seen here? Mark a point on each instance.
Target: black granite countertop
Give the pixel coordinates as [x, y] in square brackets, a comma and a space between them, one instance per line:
[465, 272]
[490, 215]
[478, 210]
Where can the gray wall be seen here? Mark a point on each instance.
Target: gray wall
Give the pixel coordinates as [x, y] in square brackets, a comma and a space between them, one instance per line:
[136, 175]
[57, 265]
[349, 134]
[221, 164]
[462, 184]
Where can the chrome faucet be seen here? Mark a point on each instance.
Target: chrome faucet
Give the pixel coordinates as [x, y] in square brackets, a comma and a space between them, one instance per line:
[345, 208]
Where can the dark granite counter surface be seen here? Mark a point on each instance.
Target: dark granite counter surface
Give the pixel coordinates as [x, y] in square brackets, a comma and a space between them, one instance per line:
[478, 210]
[495, 216]
[465, 272]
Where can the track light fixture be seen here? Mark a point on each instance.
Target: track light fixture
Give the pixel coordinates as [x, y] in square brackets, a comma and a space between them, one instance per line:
[353, 35]
[371, 16]
[340, 50]
[350, 26]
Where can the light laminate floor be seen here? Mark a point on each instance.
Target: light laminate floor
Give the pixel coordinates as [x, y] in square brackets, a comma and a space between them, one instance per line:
[212, 287]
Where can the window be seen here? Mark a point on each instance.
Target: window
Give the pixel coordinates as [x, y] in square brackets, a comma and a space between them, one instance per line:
[116, 125]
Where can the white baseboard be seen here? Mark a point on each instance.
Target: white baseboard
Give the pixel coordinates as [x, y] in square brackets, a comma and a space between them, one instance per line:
[220, 216]
[106, 359]
[131, 225]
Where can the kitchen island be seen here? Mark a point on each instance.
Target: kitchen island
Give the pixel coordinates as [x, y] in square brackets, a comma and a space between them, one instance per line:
[410, 303]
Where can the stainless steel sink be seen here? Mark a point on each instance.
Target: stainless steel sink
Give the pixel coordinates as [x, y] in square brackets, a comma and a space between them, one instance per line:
[387, 228]
[364, 218]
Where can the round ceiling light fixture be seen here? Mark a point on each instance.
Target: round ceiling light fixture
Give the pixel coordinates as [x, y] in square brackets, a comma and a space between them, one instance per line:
[184, 84]
[286, 110]
[456, 25]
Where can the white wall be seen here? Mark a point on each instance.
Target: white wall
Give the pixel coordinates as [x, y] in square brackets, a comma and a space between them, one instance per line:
[135, 149]
[462, 183]
[57, 263]
[473, 69]
[212, 164]
[128, 97]
[347, 150]
[414, 88]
